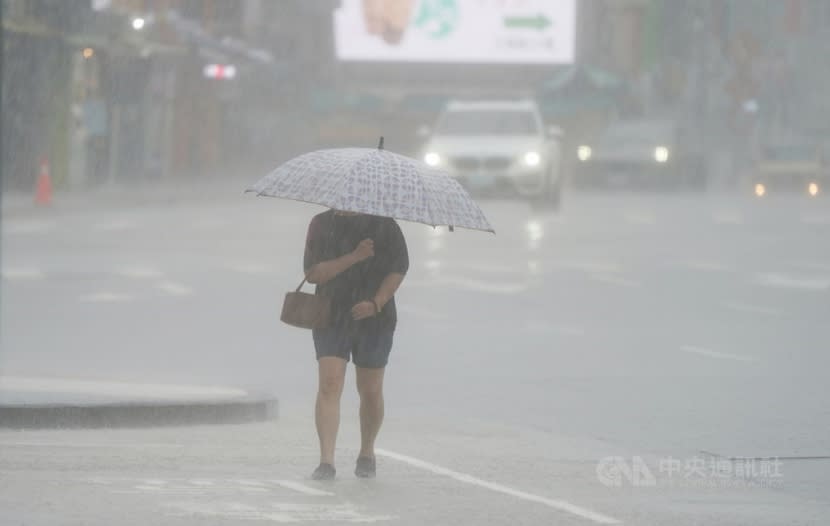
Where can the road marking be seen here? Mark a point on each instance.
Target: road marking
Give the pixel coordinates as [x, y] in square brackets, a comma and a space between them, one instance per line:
[750, 308]
[715, 354]
[250, 268]
[249, 482]
[727, 218]
[484, 286]
[226, 498]
[419, 312]
[207, 486]
[587, 266]
[278, 512]
[432, 264]
[778, 280]
[116, 225]
[477, 267]
[707, 266]
[105, 297]
[556, 504]
[485, 268]
[540, 326]
[302, 488]
[139, 272]
[639, 218]
[139, 490]
[23, 273]
[615, 280]
[27, 227]
[174, 289]
[210, 223]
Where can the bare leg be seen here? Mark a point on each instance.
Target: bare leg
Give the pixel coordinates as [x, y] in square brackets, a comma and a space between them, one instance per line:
[332, 372]
[370, 388]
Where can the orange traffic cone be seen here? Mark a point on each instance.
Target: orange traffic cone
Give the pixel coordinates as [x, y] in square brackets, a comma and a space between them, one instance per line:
[43, 189]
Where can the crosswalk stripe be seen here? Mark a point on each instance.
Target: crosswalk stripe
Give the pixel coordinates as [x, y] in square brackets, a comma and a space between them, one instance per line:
[174, 289]
[21, 273]
[105, 297]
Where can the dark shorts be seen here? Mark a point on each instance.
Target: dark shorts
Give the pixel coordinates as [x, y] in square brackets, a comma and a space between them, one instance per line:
[368, 348]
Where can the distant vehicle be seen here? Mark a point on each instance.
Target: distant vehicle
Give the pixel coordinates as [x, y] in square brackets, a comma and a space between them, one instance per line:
[498, 147]
[794, 164]
[641, 153]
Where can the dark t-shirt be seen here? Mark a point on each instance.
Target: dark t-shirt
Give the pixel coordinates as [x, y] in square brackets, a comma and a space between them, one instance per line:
[331, 236]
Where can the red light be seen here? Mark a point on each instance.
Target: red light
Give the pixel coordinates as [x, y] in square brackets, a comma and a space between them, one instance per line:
[219, 71]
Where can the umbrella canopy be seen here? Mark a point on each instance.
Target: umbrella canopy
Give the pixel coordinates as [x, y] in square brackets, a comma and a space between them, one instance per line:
[375, 182]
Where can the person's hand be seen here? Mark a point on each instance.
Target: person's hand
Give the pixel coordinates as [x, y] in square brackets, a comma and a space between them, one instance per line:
[365, 249]
[363, 310]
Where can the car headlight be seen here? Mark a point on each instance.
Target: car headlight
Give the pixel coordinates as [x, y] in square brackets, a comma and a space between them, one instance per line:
[760, 189]
[432, 159]
[583, 153]
[661, 154]
[812, 189]
[532, 158]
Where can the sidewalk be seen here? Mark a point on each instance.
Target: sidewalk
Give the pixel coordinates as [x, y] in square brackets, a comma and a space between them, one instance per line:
[119, 195]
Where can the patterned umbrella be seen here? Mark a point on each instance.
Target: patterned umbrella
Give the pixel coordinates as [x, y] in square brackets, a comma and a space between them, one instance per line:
[375, 182]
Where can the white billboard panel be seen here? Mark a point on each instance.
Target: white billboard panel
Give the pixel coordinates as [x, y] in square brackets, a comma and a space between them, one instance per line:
[457, 31]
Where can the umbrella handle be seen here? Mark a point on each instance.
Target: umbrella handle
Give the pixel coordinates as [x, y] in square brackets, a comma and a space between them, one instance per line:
[380, 143]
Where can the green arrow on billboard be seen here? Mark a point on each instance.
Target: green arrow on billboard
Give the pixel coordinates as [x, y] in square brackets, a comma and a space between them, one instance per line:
[538, 22]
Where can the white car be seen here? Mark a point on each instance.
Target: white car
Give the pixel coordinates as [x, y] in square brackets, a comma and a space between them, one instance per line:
[498, 147]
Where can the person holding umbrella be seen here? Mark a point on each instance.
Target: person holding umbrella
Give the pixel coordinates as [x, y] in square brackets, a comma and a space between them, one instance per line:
[358, 261]
[356, 254]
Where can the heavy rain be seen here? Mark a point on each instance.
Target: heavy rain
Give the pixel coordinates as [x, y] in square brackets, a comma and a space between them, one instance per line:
[567, 262]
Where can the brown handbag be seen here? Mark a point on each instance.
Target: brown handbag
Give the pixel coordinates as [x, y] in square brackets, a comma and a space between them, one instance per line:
[306, 311]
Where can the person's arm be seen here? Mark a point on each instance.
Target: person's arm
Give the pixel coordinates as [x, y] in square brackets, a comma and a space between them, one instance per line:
[325, 271]
[372, 307]
[397, 270]
[398, 267]
[387, 289]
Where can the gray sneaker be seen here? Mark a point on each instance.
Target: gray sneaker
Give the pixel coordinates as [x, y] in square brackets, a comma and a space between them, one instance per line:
[324, 472]
[365, 467]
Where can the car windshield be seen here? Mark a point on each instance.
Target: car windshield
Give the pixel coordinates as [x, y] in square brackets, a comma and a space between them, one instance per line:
[490, 122]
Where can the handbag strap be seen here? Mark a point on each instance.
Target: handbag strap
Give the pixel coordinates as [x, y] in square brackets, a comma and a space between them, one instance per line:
[329, 236]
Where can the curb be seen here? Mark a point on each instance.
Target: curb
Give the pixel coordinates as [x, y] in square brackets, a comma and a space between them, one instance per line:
[46, 403]
[136, 415]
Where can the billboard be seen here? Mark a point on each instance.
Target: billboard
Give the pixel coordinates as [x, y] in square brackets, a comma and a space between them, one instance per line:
[456, 31]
